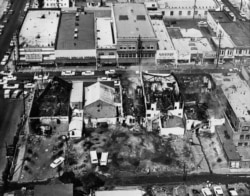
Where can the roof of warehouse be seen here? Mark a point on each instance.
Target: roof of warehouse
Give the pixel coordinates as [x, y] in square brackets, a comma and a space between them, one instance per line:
[76, 32]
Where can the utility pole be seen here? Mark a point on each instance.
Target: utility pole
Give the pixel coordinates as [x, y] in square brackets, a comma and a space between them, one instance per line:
[240, 4]
[194, 8]
[218, 51]
[139, 52]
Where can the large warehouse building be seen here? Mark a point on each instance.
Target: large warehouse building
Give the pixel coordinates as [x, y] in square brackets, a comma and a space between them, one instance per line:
[76, 39]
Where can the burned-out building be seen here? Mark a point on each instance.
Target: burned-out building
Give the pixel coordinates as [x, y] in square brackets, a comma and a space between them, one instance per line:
[163, 103]
[51, 107]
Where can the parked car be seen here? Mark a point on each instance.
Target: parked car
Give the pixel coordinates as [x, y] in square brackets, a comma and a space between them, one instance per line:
[29, 85]
[202, 24]
[11, 12]
[232, 192]
[104, 159]
[2, 81]
[93, 157]
[206, 192]
[68, 73]
[57, 162]
[10, 86]
[111, 71]
[16, 93]
[218, 191]
[105, 79]
[9, 77]
[5, 20]
[5, 73]
[88, 73]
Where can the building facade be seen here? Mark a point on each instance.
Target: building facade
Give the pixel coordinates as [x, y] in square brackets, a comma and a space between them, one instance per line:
[136, 40]
[56, 3]
[36, 43]
[106, 42]
[186, 9]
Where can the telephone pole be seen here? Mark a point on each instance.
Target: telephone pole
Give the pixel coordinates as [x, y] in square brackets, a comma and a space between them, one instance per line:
[194, 8]
[139, 52]
[218, 51]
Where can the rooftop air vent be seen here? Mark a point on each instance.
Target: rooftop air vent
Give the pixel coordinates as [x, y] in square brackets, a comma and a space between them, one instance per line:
[123, 17]
[141, 17]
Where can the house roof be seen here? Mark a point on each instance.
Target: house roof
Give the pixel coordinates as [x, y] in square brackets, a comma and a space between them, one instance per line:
[77, 92]
[99, 91]
[54, 190]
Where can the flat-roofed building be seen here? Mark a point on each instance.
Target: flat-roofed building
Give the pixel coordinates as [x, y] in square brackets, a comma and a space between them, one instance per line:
[192, 50]
[37, 36]
[215, 18]
[134, 32]
[106, 42]
[186, 9]
[76, 39]
[166, 52]
[240, 35]
[76, 96]
[235, 32]
[237, 94]
[226, 48]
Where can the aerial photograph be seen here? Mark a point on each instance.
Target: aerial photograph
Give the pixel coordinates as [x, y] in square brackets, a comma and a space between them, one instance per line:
[124, 97]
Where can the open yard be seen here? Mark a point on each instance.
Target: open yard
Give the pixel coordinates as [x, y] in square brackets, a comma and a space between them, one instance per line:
[41, 151]
[213, 151]
[130, 153]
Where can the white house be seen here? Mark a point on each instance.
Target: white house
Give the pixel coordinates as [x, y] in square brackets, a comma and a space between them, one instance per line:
[76, 124]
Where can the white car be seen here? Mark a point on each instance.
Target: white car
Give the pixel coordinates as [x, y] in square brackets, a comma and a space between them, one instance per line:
[93, 157]
[218, 191]
[29, 85]
[68, 73]
[6, 73]
[206, 192]
[104, 79]
[88, 73]
[5, 20]
[3, 81]
[10, 86]
[117, 82]
[232, 192]
[227, 9]
[111, 71]
[9, 77]
[57, 162]
[202, 24]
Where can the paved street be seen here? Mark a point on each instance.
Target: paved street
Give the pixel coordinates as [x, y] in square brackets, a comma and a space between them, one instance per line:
[12, 25]
[9, 118]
